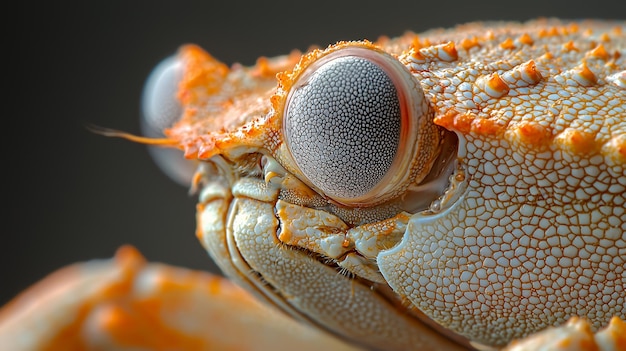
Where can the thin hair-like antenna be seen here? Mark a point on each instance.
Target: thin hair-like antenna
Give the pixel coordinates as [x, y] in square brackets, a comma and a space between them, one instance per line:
[134, 138]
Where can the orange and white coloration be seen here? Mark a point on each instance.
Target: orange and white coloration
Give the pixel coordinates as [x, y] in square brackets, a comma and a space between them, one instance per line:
[127, 303]
[488, 209]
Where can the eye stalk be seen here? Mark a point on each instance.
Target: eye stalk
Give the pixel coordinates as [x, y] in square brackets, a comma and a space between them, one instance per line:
[351, 123]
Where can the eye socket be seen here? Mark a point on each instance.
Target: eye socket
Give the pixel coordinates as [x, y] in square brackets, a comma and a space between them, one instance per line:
[349, 121]
[160, 109]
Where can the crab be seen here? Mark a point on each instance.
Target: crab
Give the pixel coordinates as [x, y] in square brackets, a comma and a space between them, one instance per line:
[457, 189]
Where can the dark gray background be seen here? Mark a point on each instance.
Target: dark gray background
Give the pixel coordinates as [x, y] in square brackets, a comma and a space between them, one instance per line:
[70, 195]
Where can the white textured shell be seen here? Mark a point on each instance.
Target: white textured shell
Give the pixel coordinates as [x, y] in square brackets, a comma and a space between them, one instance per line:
[531, 234]
[538, 234]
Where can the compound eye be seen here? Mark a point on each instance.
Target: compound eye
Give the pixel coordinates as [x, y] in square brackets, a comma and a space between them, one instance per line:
[346, 121]
[160, 109]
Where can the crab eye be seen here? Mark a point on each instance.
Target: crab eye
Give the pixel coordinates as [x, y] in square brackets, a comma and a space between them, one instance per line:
[160, 109]
[347, 122]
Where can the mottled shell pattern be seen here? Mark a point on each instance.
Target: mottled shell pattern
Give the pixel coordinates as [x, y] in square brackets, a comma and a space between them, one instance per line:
[501, 213]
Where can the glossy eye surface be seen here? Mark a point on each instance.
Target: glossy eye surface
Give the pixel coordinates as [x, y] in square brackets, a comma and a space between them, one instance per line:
[343, 123]
[160, 109]
[159, 106]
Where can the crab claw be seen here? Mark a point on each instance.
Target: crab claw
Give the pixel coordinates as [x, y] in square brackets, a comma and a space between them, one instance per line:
[575, 335]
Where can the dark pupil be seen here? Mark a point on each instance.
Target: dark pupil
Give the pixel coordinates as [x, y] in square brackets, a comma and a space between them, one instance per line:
[343, 126]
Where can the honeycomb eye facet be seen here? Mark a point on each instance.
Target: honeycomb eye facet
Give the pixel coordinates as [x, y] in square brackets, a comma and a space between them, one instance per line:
[346, 121]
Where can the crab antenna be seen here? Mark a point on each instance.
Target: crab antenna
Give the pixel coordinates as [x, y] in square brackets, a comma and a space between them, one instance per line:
[165, 142]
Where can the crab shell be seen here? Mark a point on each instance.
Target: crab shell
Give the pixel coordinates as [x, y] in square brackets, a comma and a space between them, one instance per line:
[502, 213]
